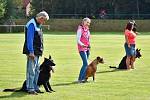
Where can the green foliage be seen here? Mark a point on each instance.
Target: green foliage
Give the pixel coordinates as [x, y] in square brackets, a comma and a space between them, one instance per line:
[18, 2]
[18, 11]
[2, 8]
[9, 11]
[78, 8]
[121, 8]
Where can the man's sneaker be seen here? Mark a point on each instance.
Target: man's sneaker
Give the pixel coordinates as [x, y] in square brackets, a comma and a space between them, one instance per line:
[33, 92]
[38, 91]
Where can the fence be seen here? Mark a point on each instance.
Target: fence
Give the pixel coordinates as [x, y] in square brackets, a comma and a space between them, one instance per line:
[18, 28]
[70, 25]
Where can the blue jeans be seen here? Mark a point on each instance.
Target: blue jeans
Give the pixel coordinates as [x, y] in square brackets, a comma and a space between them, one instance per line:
[84, 56]
[32, 73]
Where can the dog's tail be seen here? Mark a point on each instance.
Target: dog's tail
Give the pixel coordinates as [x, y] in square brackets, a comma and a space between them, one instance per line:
[112, 67]
[11, 90]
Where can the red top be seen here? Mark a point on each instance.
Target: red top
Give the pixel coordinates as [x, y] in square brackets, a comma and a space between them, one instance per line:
[131, 36]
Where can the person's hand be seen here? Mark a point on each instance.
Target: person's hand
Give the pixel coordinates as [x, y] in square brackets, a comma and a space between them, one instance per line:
[129, 45]
[84, 46]
[89, 47]
[31, 56]
[137, 33]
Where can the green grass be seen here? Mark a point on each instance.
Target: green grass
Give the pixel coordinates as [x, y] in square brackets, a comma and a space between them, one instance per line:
[109, 85]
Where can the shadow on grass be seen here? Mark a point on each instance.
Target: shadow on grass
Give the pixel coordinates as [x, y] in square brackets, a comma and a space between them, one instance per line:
[71, 83]
[75, 82]
[14, 95]
[64, 84]
[109, 71]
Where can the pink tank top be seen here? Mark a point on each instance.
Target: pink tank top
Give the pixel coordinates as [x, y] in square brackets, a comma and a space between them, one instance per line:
[85, 36]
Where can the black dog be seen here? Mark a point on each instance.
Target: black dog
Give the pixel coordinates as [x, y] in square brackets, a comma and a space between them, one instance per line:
[122, 64]
[44, 76]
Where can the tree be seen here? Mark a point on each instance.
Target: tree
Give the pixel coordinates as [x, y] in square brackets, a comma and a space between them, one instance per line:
[18, 9]
[119, 8]
[3, 4]
[7, 10]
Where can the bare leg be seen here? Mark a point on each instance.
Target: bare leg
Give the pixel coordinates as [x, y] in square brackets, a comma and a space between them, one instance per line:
[128, 62]
[132, 62]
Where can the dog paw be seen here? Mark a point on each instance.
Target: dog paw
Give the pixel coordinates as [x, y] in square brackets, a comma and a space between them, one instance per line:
[49, 91]
[53, 91]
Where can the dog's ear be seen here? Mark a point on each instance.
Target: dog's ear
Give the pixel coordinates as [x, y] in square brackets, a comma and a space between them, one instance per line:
[98, 58]
[139, 49]
[102, 59]
[50, 57]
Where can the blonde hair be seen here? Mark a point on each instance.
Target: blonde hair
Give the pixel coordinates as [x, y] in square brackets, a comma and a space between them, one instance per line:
[86, 19]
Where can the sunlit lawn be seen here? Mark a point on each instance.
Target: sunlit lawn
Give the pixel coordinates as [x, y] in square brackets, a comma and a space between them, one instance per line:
[109, 85]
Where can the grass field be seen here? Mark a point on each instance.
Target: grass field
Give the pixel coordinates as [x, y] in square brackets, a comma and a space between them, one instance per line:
[109, 85]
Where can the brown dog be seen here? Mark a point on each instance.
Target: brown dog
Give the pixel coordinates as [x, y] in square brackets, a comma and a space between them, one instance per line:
[92, 67]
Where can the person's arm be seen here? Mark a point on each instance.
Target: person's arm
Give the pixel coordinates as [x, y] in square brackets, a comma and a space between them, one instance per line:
[89, 39]
[79, 33]
[30, 38]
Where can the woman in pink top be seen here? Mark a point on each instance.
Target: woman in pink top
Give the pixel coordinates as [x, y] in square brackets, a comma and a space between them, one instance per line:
[83, 43]
[130, 41]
